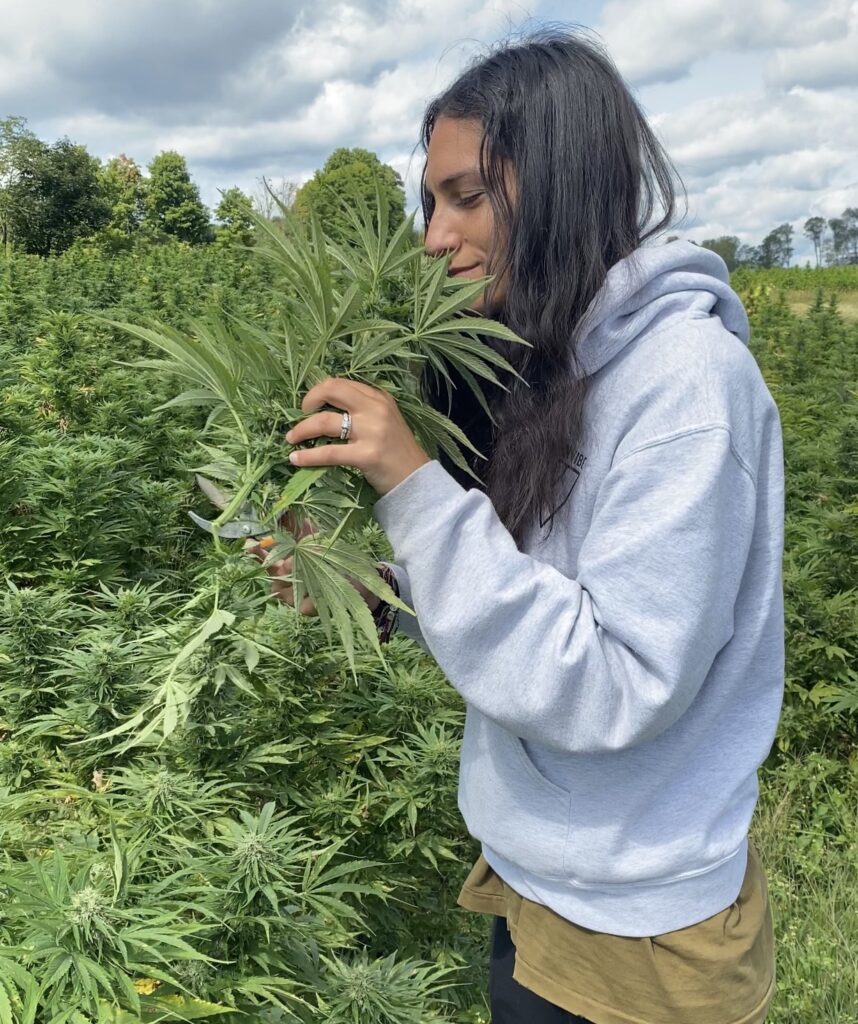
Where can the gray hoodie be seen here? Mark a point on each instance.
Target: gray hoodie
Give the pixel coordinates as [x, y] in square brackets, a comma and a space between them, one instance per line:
[623, 678]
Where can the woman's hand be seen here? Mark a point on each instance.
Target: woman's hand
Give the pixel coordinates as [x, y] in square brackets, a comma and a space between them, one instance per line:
[282, 590]
[380, 444]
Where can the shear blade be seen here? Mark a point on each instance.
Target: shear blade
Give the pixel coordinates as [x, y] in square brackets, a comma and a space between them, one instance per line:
[237, 530]
[204, 524]
[215, 495]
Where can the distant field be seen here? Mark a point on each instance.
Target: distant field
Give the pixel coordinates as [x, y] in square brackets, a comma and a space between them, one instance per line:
[830, 279]
[801, 301]
[800, 286]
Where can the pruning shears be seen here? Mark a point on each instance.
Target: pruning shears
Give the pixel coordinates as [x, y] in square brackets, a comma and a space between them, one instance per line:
[246, 523]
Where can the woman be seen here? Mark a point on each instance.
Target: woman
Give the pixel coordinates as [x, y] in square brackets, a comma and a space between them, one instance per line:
[610, 606]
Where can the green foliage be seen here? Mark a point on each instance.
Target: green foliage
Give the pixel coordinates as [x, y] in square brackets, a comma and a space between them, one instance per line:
[830, 279]
[352, 175]
[235, 212]
[124, 189]
[810, 365]
[16, 142]
[172, 201]
[286, 830]
[805, 828]
[51, 195]
[727, 247]
[340, 322]
[292, 850]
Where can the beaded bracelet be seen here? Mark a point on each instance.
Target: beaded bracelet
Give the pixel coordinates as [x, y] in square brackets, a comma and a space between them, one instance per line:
[385, 615]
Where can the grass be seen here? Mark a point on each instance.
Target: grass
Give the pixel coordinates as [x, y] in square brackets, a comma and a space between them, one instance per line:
[806, 814]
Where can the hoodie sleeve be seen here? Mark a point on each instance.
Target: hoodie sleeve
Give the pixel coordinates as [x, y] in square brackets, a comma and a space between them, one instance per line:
[610, 659]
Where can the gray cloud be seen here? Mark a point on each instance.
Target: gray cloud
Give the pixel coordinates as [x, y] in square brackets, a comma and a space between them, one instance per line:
[258, 80]
[157, 59]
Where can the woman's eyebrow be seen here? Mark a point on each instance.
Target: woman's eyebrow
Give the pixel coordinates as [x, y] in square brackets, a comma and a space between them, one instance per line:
[451, 179]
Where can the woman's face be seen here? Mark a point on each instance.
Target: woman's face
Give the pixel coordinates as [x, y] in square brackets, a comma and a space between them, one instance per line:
[463, 220]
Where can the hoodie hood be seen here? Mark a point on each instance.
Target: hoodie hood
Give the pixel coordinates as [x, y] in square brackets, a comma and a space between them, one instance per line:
[654, 284]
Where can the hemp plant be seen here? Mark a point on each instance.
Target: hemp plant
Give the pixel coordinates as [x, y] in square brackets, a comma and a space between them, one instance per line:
[372, 309]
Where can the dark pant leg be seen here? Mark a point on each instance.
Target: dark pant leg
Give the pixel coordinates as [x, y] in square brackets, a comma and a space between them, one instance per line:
[512, 1003]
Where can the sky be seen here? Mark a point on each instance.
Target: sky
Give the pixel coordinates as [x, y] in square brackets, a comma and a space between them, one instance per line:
[756, 102]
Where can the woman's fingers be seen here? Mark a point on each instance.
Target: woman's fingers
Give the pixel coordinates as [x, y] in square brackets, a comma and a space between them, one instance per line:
[284, 591]
[259, 549]
[298, 530]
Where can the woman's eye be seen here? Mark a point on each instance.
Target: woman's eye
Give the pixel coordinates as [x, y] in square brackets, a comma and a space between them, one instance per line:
[470, 200]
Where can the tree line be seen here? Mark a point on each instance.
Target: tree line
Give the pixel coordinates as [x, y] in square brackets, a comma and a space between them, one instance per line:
[835, 243]
[52, 195]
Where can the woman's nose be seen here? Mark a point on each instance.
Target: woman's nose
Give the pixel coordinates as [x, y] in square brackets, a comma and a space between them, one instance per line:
[441, 236]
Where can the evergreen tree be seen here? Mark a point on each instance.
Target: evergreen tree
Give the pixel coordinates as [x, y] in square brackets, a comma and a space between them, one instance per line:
[173, 204]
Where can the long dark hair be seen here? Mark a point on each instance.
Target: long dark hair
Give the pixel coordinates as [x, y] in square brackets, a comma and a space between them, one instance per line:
[590, 175]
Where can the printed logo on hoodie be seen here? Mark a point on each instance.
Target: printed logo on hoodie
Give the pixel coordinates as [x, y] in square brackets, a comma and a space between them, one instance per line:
[576, 467]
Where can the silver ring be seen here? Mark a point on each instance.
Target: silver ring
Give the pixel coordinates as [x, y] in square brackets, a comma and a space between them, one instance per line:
[346, 427]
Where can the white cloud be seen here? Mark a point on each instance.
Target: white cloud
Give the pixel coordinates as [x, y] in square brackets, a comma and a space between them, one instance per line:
[349, 39]
[734, 130]
[753, 162]
[662, 46]
[780, 150]
[239, 96]
[824, 63]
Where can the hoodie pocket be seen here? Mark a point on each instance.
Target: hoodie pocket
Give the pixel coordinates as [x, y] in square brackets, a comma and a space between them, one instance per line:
[507, 803]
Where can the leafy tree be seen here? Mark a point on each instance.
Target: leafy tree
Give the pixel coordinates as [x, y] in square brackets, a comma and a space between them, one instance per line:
[173, 204]
[235, 212]
[727, 247]
[15, 139]
[52, 194]
[271, 195]
[350, 174]
[124, 188]
[835, 250]
[850, 219]
[749, 256]
[776, 248]
[814, 229]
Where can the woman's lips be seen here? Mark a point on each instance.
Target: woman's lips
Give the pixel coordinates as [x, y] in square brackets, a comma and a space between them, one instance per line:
[462, 270]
